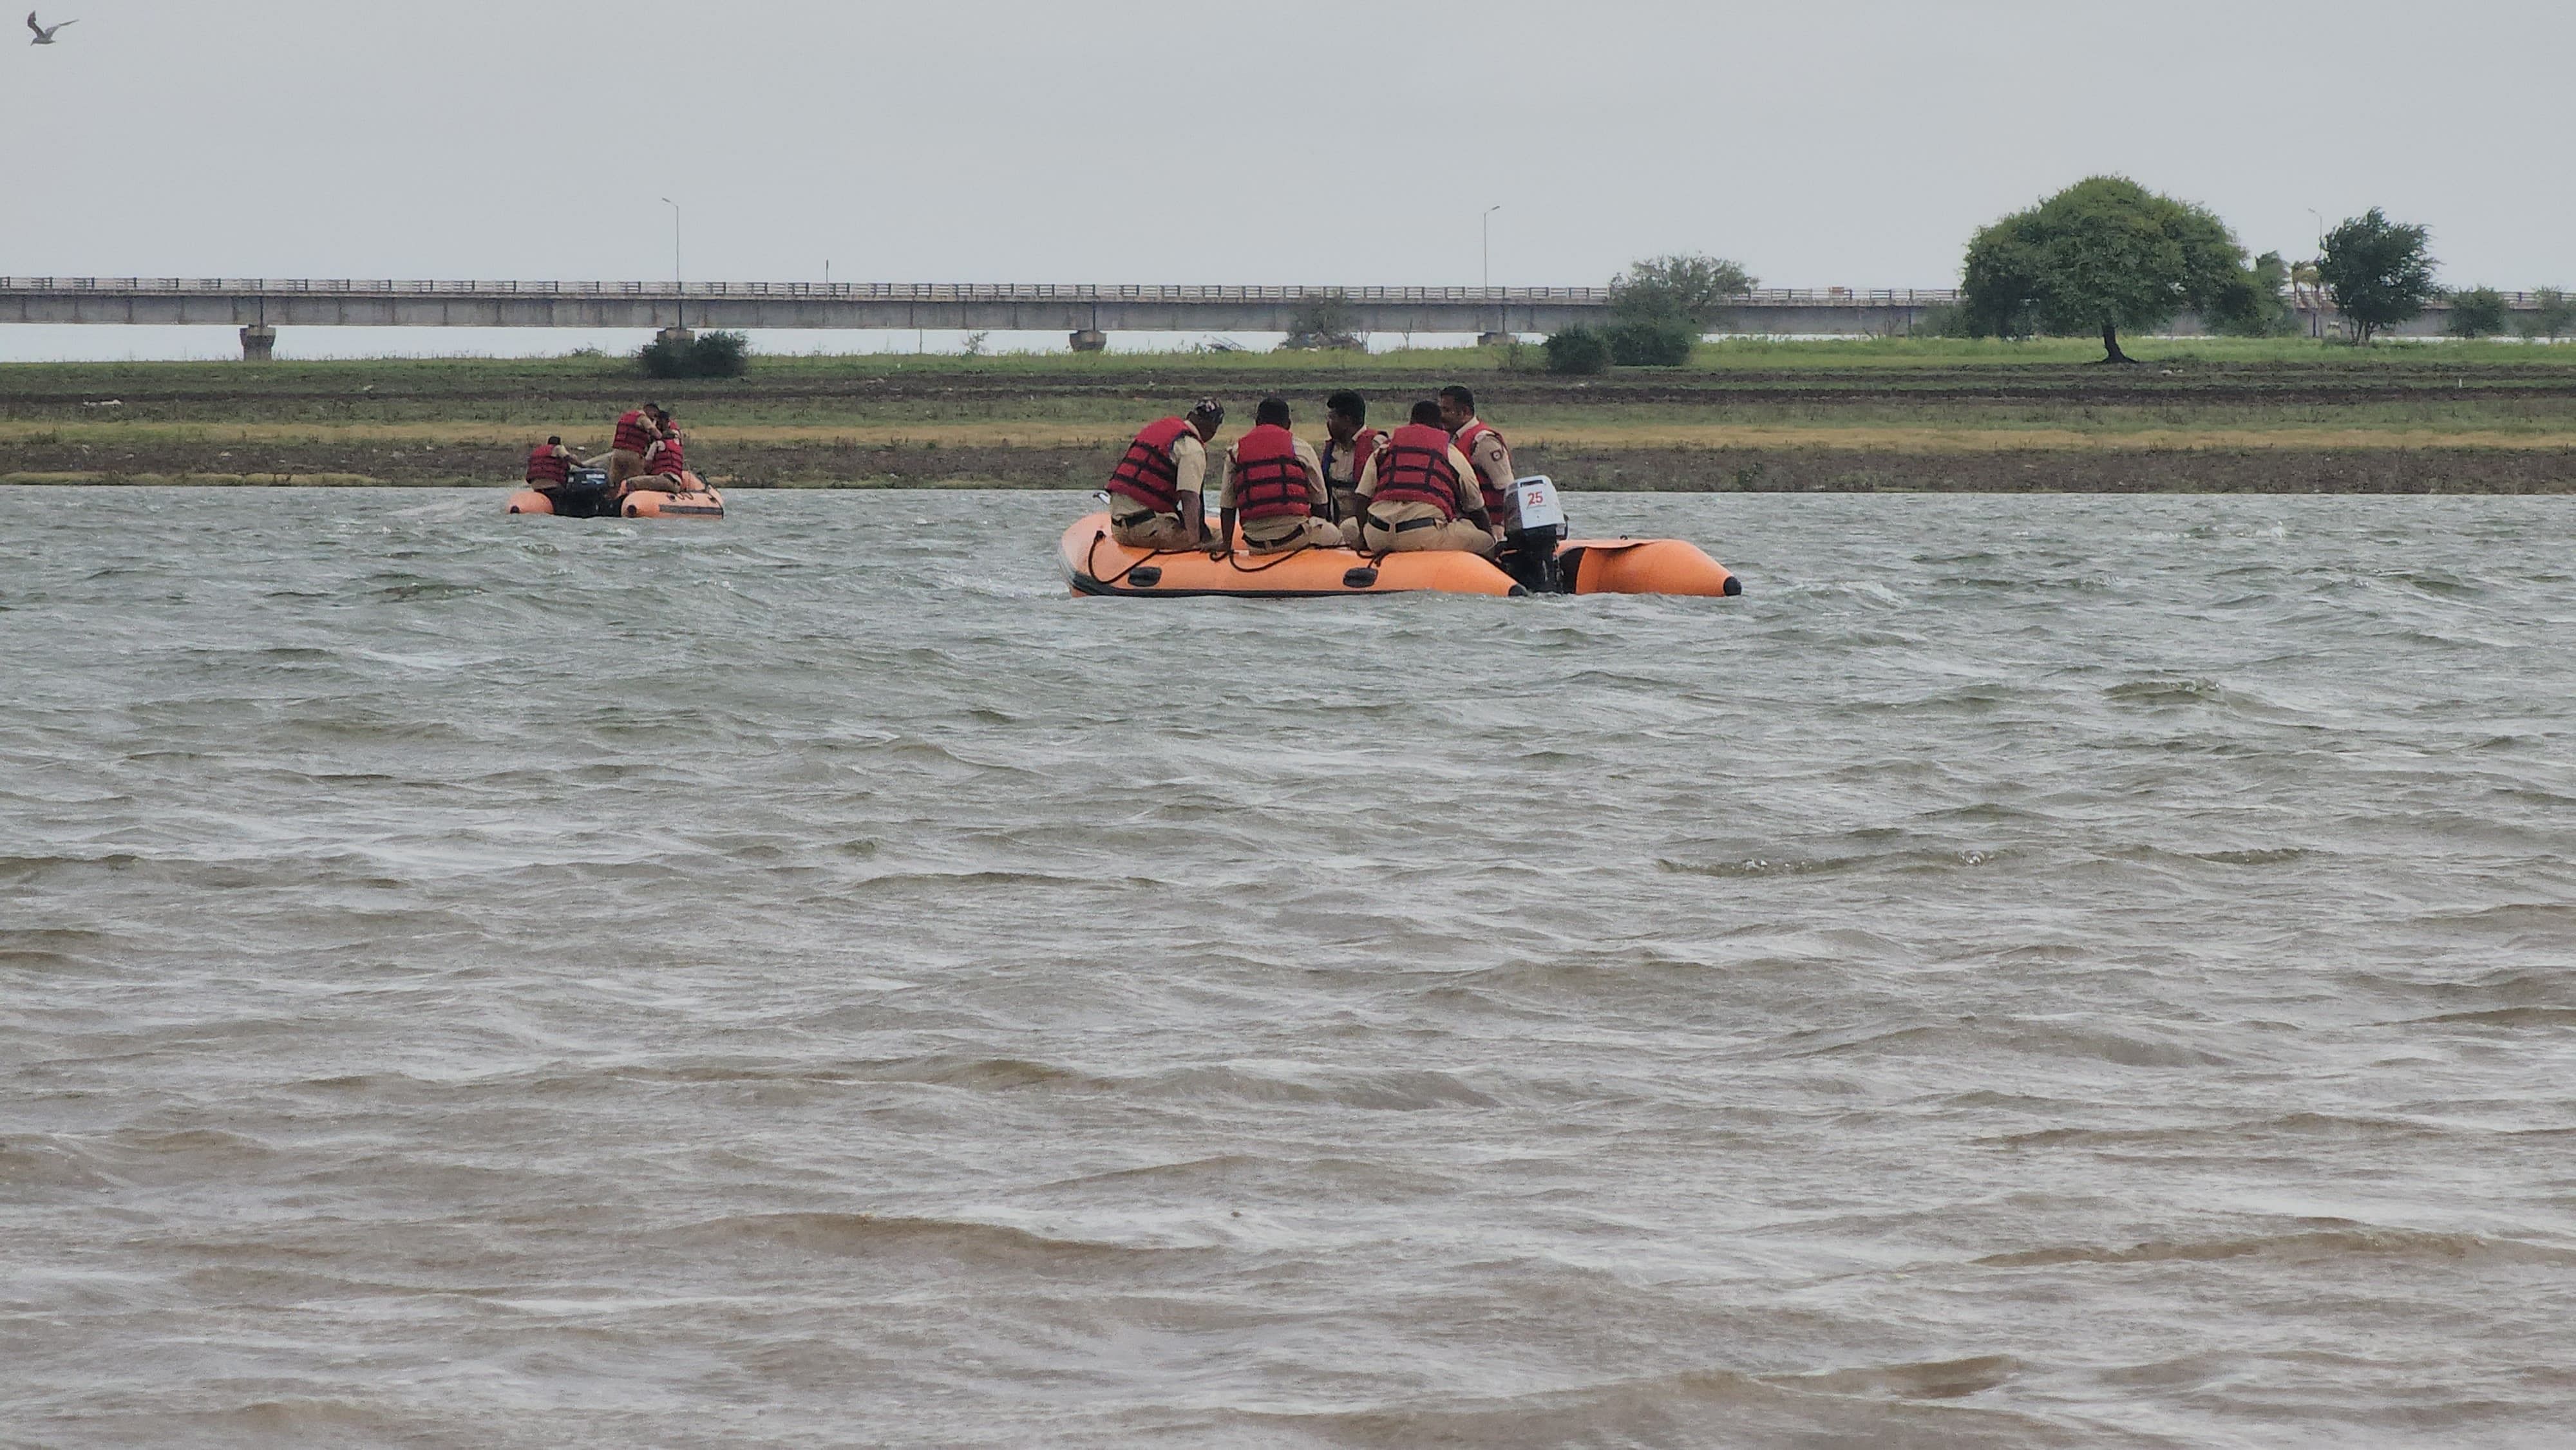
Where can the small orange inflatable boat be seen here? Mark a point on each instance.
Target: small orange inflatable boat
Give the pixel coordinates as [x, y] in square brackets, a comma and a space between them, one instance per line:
[586, 497]
[1098, 564]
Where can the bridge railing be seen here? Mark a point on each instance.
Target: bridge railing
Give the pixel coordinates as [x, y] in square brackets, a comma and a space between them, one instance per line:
[953, 292]
[919, 291]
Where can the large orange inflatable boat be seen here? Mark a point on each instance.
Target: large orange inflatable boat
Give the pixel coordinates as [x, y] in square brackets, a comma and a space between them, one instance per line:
[586, 497]
[1099, 564]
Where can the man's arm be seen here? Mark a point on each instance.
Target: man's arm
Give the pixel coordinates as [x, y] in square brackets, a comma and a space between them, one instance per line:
[1189, 478]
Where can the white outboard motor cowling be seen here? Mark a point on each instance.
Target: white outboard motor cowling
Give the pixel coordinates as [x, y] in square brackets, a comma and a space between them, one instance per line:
[1541, 510]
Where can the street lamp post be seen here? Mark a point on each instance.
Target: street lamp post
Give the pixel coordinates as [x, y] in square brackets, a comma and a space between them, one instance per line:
[679, 276]
[1488, 224]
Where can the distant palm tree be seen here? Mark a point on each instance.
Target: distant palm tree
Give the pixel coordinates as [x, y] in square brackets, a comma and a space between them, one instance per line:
[2307, 288]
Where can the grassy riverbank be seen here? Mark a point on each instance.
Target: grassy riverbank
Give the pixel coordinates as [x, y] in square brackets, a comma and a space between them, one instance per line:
[1895, 414]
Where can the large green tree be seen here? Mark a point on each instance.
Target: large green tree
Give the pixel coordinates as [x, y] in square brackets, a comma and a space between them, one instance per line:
[2379, 272]
[1686, 287]
[2107, 254]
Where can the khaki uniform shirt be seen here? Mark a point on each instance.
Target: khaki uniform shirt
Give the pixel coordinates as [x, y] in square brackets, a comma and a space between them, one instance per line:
[1189, 463]
[1405, 513]
[1494, 464]
[1347, 464]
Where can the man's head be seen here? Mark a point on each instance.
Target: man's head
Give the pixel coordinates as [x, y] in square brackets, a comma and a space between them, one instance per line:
[1205, 417]
[1426, 414]
[555, 441]
[1273, 413]
[1344, 415]
[1457, 406]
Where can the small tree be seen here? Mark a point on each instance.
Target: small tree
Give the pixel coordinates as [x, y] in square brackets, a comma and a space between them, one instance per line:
[1684, 287]
[2260, 305]
[1577, 352]
[2551, 314]
[2476, 313]
[2105, 253]
[2378, 272]
[1323, 324]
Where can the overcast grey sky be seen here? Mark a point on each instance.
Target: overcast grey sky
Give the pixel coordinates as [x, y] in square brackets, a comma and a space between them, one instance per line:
[1827, 142]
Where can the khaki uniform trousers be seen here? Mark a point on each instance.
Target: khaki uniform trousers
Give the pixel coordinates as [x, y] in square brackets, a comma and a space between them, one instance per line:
[661, 483]
[1167, 533]
[1459, 535]
[623, 464]
[1310, 533]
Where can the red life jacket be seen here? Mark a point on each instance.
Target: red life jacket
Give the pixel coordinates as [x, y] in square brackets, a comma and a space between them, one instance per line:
[549, 466]
[634, 435]
[1147, 475]
[1502, 505]
[1363, 444]
[1414, 467]
[1270, 480]
[672, 461]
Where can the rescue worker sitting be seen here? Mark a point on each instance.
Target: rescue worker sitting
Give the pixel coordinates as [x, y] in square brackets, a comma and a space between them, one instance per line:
[1349, 443]
[637, 431]
[550, 472]
[1154, 491]
[1528, 555]
[1274, 481]
[666, 464]
[1414, 494]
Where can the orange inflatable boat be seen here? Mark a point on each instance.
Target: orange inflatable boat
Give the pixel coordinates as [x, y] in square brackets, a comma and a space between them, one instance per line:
[586, 497]
[1098, 564]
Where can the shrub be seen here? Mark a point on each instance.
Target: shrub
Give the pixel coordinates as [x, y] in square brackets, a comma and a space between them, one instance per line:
[2256, 303]
[2551, 314]
[1943, 319]
[1663, 344]
[1323, 324]
[709, 355]
[720, 355]
[2477, 312]
[1578, 352]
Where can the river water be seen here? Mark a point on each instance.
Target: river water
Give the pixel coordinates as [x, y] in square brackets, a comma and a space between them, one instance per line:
[2032, 972]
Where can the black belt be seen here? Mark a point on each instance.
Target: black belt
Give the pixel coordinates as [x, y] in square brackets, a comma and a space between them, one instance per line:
[1408, 526]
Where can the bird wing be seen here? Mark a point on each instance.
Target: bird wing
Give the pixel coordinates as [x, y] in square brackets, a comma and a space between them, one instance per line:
[32, 25]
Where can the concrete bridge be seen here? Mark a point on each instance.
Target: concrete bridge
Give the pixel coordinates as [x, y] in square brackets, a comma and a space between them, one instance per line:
[1087, 314]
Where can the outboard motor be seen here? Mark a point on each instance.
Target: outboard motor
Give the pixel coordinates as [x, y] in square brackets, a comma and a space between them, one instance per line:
[583, 495]
[1529, 552]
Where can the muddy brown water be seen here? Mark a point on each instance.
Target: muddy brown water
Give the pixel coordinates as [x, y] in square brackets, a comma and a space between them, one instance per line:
[2060, 971]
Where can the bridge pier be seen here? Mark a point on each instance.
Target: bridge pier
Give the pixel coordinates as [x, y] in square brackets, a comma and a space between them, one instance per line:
[259, 343]
[675, 337]
[1492, 339]
[1090, 339]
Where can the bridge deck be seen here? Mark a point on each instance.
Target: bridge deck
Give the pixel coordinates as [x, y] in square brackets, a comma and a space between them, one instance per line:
[872, 306]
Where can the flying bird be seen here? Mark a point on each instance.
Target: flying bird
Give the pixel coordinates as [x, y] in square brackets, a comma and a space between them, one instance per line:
[45, 33]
